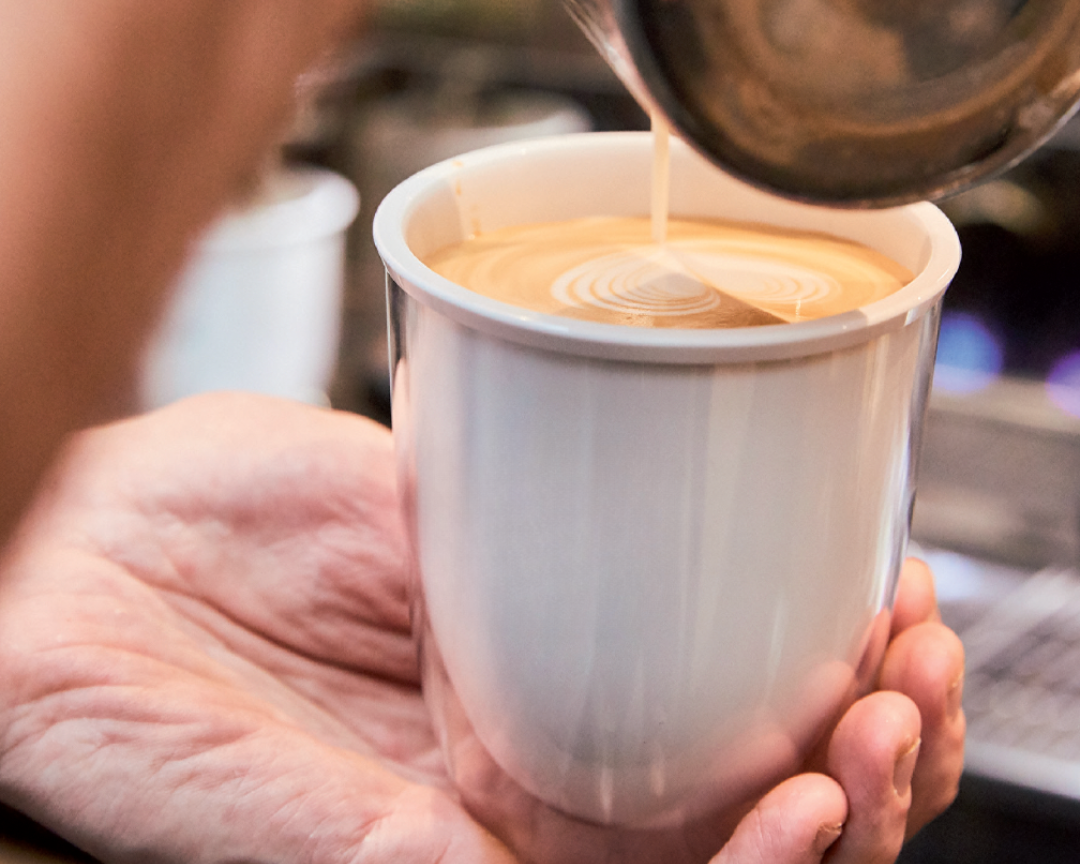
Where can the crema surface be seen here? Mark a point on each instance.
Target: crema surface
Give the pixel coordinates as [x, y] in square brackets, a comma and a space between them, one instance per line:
[708, 274]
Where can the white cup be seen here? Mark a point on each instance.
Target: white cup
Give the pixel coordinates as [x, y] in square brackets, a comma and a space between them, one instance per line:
[258, 307]
[651, 560]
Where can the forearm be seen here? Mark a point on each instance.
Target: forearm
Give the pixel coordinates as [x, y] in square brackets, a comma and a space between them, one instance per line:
[124, 127]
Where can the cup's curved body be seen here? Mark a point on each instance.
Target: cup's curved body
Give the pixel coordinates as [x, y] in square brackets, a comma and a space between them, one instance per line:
[650, 562]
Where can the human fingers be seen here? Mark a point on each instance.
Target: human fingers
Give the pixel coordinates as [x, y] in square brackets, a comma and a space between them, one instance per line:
[796, 823]
[926, 663]
[916, 599]
[872, 754]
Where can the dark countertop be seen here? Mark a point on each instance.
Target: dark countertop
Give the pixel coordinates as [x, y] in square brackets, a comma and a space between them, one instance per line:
[23, 841]
[993, 823]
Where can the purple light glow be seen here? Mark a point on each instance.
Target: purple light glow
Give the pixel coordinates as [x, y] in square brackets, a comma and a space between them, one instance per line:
[1063, 383]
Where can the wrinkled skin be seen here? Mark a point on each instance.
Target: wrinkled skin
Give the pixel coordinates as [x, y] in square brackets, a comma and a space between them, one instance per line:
[206, 657]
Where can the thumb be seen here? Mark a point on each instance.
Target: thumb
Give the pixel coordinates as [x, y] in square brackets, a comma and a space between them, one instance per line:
[795, 823]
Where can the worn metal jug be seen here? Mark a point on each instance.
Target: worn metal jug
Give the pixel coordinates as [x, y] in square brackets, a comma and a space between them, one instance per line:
[850, 102]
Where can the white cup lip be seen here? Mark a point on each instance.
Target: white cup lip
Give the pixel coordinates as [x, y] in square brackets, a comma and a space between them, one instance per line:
[302, 205]
[620, 342]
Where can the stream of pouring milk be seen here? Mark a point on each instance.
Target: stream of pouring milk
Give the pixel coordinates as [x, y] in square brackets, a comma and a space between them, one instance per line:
[661, 178]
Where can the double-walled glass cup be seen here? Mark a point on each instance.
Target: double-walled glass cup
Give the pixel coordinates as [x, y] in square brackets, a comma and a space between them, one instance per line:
[654, 564]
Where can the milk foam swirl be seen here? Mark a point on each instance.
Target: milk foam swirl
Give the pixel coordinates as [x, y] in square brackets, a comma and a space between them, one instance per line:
[628, 283]
[708, 273]
[683, 282]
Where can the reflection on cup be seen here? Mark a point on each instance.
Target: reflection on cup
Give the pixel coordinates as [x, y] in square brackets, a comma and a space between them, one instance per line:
[655, 563]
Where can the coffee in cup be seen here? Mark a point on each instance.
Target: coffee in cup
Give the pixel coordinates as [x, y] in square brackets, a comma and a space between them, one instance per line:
[708, 273]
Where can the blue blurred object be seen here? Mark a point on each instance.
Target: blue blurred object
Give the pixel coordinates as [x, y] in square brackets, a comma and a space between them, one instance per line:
[969, 355]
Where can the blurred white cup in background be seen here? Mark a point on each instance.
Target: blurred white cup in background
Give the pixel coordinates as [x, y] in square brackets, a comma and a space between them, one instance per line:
[258, 307]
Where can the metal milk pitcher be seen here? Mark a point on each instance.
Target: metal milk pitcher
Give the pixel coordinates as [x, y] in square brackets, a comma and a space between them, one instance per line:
[862, 103]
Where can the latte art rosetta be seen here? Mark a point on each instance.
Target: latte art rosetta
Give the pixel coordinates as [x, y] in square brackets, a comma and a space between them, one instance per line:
[707, 274]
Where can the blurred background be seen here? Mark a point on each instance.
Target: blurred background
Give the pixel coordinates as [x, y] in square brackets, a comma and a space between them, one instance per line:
[998, 512]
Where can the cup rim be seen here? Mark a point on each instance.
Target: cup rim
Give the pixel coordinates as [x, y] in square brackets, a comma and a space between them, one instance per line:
[320, 203]
[621, 342]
